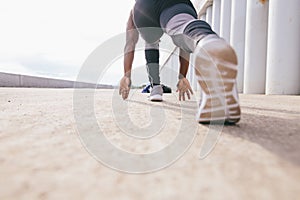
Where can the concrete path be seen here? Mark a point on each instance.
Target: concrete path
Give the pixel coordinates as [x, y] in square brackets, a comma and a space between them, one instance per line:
[42, 157]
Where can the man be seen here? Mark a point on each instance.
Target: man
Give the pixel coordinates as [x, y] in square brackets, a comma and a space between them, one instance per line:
[215, 63]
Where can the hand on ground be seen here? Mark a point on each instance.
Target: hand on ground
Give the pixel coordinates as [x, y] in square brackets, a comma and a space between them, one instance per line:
[124, 89]
[184, 88]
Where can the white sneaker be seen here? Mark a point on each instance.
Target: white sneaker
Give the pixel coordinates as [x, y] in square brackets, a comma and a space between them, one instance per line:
[216, 70]
[156, 93]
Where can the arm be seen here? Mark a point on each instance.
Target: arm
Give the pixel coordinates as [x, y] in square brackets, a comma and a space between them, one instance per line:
[132, 37]
[184, 60]
[183, 85]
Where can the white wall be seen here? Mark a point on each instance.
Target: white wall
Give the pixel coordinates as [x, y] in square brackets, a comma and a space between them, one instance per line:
[16, 80]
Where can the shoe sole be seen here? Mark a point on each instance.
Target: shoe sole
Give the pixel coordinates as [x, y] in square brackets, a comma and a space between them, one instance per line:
[218, 107]
[156, 98]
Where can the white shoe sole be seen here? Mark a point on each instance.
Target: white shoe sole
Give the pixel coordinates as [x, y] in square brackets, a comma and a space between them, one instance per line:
[216, 69]
[156, 97]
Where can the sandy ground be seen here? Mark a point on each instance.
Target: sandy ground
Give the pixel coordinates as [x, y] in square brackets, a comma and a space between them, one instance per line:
[42, 157]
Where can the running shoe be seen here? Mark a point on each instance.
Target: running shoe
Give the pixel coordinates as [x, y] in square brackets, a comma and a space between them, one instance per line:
[216, 71]
[156, 93]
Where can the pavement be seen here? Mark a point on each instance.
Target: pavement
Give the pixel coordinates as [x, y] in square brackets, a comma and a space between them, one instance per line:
[43, 157]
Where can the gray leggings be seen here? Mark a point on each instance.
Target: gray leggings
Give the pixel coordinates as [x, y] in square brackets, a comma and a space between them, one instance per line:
[178, 21]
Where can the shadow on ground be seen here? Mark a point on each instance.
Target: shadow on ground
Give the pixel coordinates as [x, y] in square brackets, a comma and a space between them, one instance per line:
[277, 135]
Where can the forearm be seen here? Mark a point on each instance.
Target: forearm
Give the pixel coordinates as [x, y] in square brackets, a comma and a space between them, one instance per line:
[184, 60]
[128, 60]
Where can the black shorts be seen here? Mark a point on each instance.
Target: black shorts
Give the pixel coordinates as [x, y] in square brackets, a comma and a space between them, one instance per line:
[147, 16]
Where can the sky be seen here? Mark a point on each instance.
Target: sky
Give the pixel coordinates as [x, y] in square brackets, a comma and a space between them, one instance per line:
[52, 38]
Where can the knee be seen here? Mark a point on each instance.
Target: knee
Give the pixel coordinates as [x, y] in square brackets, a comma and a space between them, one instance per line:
[184, 42]
[192, 33]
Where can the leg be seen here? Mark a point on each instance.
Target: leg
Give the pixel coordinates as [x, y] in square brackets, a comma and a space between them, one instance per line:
[152, 58]
[181, 23]
[215, 64]
[151, 32]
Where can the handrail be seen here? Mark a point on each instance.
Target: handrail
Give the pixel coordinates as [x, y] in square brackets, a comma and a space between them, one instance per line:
[168, 58]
